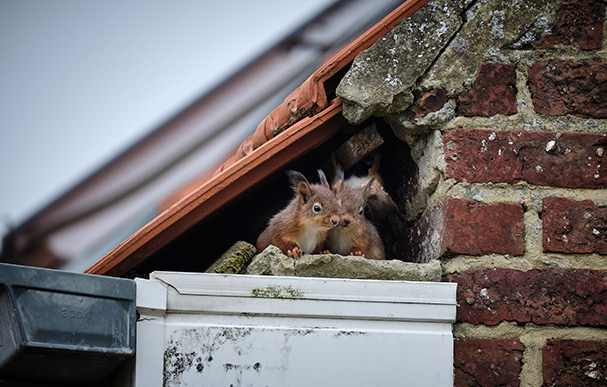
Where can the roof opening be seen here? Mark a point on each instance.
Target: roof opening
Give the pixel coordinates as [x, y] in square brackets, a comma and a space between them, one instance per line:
[245, 217]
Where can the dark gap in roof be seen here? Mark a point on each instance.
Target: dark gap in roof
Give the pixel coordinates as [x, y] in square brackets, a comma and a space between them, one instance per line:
[399, 172]
[244, 218]
[331, 83]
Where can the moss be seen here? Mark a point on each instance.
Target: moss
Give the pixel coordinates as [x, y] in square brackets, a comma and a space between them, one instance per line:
[233, 260]
[286, 292]
[294, 118]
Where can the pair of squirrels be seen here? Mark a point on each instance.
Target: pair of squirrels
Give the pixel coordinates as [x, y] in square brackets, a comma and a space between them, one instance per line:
[324, 218]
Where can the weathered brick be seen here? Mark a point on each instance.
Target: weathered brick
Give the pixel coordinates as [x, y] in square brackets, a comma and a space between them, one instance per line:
[474, 228]
[571, 160]
[567, 297]
[563, 87]
[493, 92]
[570, 226]
[431, 101]
[575, 363]
[480, 362]
[465, 227]
[579, 23]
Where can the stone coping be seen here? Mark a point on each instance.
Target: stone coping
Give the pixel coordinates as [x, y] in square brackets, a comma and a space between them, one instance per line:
[273, 262]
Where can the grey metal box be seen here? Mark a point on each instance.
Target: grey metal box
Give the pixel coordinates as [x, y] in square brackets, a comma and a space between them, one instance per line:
[57, 326]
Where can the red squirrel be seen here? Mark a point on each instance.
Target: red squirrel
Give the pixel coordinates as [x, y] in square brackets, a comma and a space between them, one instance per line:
[379, 203]
[302, 226]
[355, 234]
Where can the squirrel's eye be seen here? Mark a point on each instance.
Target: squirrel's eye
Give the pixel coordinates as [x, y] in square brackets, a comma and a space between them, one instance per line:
[317, 208]
[362, 209]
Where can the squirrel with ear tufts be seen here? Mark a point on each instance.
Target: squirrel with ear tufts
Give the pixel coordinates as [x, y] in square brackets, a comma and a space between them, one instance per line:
[302, 226]
[379, 203]
[355, 234]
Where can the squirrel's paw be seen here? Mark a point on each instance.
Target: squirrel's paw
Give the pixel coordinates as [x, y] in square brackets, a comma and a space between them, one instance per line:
[325, 252]
[357, 253]
[295, 252]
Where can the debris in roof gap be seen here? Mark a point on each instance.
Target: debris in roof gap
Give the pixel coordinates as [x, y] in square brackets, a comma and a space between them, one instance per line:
[359, 146]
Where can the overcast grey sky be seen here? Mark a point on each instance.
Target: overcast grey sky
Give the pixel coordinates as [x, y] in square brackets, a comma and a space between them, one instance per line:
[80, 80]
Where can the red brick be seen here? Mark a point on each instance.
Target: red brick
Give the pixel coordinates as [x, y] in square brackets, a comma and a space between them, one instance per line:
[575, 363]
[568, 297]
[562, 87]
[480, 362]
[431, 101]
[571, 160]
[474, 228]
[465, 227]
[579, 23]
[574, 227]
[493, 92]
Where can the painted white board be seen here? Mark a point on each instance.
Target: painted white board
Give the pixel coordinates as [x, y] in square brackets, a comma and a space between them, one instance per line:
[223, 330]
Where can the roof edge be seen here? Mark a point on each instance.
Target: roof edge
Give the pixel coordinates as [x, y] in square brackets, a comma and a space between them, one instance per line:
[268, 149]
[230, 183]
[312, 97]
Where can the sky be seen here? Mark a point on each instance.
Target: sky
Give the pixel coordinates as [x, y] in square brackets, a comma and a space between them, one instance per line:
[81, 80]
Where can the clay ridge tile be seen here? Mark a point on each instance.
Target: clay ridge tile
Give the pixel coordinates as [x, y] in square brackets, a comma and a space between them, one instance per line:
[311, 97]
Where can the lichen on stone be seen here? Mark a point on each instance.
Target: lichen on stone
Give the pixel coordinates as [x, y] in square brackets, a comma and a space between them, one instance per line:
[490, 27]
[383, 76]
[273, 262]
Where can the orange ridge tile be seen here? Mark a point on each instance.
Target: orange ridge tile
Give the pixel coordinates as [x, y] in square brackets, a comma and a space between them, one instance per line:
[311, 97]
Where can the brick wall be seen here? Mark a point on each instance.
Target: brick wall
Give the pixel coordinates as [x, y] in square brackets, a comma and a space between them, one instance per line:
[504, 107]
[518, 217]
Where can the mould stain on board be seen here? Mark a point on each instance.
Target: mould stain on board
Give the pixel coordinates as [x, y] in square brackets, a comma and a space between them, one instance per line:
[194, 349]
[236, 355]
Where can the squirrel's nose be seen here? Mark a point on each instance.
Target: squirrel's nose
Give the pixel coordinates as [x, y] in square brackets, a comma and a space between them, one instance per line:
[334, 221]
[346, 222]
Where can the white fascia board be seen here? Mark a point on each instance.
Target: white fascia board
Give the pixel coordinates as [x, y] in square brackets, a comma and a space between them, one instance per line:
[227, 294]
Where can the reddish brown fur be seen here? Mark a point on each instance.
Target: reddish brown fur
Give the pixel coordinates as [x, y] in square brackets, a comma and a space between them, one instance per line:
[354, 235]
[379, 202]
[299, 228]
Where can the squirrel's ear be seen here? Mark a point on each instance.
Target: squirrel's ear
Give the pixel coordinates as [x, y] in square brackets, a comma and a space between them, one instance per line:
[338, 182]
[374, 170]
[369, 190]
[323, 179]
[304, 191]
[295, 178]
[300, 185]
